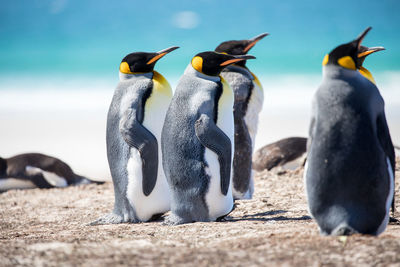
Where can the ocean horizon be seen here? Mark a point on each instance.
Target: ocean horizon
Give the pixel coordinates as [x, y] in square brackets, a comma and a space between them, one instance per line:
[57, 37]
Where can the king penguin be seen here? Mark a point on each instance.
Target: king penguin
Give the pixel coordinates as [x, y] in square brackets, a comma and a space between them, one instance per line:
[134, 125]
[349, 173]
[197, 141]
[249, 99]
[35, 170]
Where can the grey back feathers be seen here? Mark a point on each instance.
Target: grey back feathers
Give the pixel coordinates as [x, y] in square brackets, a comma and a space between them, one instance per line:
[125, 113]
[184, 150]
[347, 177]
[194, 105]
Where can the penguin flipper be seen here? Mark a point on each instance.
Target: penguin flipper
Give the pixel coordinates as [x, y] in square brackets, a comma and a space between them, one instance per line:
[44, 179]
[136, 135]
[37, 178]
[386, 144]
[311, 131]
[215, 139]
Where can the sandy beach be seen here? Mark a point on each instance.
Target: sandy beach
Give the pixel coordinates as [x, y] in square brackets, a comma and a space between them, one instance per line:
[49, 228]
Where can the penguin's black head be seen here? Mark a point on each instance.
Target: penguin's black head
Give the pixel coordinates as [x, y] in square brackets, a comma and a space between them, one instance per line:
[346, 55]
[212, 63]
[141, 62]
[364, 51]
[240, 47]
[3, 167]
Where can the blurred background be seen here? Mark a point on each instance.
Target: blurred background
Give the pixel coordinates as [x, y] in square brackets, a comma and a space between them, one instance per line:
[59, 62]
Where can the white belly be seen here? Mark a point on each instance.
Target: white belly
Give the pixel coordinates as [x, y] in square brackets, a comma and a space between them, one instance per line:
[253, 109]
[218, 204]
[159, 199]
[14, 183]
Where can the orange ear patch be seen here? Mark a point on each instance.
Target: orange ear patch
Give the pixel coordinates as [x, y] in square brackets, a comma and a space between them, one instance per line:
[197, 63]
[124, 68]
[347, 62]
[325, 60]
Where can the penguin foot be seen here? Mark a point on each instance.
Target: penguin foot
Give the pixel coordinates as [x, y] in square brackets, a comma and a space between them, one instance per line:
[110, 218]
[173, 219]
[221, 219]
[394, 221]
[343, 229]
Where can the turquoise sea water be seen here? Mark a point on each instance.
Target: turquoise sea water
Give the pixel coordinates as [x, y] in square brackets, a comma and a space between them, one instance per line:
[89, 38]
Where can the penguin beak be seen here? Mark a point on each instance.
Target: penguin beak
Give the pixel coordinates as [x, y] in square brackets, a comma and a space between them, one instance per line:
[253, 41]
[361, 37]
[370, 51]
[161, 53]
[236, 59]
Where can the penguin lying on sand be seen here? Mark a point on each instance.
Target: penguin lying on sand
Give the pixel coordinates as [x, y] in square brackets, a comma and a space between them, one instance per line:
[349, 173]
[280, 153]
[249, 99]
[197, 141]
[134, 125]
[34, 170]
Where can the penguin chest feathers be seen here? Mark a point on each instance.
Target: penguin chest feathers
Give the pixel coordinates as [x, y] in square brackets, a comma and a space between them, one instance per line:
[156, 105]
[248, 93]
[254, 106]
[155, 108]
[225, 111]
[217, 203]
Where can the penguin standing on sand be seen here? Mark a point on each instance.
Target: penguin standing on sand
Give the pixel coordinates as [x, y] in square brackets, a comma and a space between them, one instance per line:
[197, 141]
[134, 125]
[249, 99]
[34, 170]
[349, 173]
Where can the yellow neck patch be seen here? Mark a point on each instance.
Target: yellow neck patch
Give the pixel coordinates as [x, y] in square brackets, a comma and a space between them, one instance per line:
[161, 85]
[347, 62]
[124, 68]
[227, 94]
[325, 60]
[364, 72]
[197, 63]
[257, 81]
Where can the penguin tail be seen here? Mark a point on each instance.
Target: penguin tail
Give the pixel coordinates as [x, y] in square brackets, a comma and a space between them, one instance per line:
[343, 229]
[83, 180]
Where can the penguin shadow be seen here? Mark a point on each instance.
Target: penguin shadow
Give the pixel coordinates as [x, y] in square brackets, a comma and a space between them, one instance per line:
[262, 216]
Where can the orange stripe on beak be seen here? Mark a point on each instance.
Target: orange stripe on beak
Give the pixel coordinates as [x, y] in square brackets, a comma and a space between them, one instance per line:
[366, 53]
[156, 58]
[250, 45]
[231, 61]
